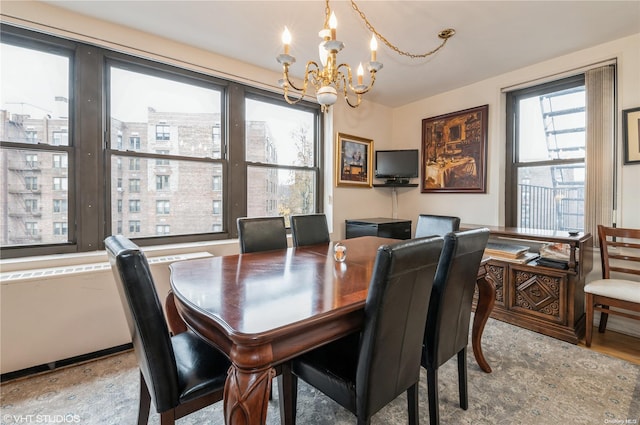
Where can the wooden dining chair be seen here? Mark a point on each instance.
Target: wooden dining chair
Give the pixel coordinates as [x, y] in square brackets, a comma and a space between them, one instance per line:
[366, 370]
[181, 373]
[436, 225]
[261, 234]
[447, 329]
[309, 229]
[618, 292]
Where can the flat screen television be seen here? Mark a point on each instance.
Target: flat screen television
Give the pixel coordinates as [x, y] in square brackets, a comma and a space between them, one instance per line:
[397, 166]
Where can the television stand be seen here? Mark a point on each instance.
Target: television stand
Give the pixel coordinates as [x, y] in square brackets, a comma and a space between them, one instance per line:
[396, 182]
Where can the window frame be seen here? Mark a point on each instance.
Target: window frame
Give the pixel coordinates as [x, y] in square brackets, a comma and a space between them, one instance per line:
[89, 154]
[512, 165]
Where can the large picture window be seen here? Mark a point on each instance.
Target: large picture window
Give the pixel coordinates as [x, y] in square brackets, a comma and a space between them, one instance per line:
[151, 135]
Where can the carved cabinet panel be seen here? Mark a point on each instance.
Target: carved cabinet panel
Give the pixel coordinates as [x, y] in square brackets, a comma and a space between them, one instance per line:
[538, 297]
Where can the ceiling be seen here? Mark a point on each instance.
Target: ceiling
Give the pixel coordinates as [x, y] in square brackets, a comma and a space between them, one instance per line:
[492, 37]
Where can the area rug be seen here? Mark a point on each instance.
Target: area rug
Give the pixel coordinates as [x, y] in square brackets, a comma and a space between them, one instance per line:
[535, 380]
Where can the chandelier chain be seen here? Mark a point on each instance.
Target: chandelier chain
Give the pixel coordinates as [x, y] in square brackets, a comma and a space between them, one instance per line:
[444, 35]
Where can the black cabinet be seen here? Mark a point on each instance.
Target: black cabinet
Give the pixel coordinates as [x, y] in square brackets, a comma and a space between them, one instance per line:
[382, 227]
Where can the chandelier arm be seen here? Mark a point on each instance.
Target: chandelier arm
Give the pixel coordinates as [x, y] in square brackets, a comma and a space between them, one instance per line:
[346, 93]
[309, 75]
[350, 80]
[445, 35]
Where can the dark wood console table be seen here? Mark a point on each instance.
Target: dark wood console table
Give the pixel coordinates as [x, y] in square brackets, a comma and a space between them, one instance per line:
[543, 299]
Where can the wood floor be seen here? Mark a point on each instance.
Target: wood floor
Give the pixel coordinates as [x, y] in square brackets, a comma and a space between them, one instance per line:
[616, 345]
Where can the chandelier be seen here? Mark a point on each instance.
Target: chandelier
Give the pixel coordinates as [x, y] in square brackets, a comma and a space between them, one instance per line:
[330, 79]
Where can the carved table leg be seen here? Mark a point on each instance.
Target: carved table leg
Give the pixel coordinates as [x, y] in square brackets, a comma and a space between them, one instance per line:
[246, 395]
[486, 300]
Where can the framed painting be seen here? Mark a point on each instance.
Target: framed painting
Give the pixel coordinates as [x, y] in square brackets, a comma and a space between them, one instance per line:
[353, 161]
[631, 135]
[454, 152]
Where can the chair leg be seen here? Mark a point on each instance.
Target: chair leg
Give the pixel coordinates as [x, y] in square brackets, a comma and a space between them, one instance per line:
[145, 402]
[462, 378]
[432, 389]
[588, 332]
[412, 404]
[288, 394]
[604, 317]
[360, 421]
[168, 417]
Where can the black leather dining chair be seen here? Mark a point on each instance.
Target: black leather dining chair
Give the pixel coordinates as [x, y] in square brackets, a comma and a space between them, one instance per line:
[366, 370]
[447, 329]
[309, 229]
[432, 225]
[261, 234]
[180, 373]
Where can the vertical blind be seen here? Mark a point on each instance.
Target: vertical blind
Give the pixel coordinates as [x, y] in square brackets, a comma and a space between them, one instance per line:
[600, 182]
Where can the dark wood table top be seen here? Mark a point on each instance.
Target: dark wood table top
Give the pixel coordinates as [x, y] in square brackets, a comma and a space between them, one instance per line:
[266, 294]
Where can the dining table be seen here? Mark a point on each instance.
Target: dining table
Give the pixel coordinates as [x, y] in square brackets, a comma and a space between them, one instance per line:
[264, 308]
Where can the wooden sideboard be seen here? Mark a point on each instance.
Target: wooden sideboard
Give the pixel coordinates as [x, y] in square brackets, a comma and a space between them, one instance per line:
[543, 299]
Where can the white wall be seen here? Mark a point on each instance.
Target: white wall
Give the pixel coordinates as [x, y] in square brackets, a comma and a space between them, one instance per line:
[489, 208]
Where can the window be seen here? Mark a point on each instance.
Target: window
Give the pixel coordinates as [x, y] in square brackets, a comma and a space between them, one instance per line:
[60, 206]
[217, 182]
[134, 185]
[178, 141]
[163, 207]
[134, 143]
[60, 138]
[30, 149]
[31, 228]
[134, 205]
[60, 228]
[162, 182]
[163, 132]
[282, 170]
[31, 160]
[31, 205]
[134, 164]
[59, 183]
[31, 183]
[546, 156]
[163, 229]
[134, 226]
[60, 161]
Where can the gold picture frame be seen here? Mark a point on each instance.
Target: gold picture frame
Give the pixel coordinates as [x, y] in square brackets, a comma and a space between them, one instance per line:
[631, 130]
[353, 161]
[454, 152]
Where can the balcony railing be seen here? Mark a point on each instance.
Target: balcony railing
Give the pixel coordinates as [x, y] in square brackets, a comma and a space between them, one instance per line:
[551, 208]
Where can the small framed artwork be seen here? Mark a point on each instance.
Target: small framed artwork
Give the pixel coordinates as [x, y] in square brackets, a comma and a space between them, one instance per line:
[454, 152]
[631, 135]
[353, 161]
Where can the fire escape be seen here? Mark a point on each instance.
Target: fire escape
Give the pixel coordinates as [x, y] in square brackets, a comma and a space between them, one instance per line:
[563, 115]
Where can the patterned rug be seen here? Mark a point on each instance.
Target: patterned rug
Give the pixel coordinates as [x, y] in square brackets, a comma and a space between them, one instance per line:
[535, 380]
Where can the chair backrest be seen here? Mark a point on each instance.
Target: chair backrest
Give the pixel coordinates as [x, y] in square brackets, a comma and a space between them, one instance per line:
[261, 234]
[147, 325]
[619, 252]
[447, 329]
[432, 225]
[309, 229]
[395, 312]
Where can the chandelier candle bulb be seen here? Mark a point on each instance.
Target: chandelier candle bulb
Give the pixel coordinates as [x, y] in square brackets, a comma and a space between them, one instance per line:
[333, 24]
[374, 47]
[360, 74]
[286, 40]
